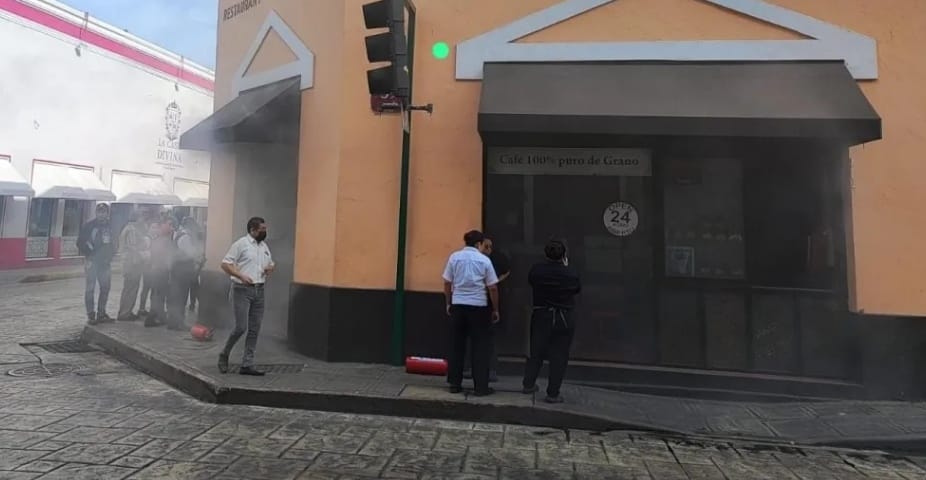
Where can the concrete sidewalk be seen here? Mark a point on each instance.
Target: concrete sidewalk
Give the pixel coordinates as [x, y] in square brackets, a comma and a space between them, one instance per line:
[48, 274]
[301, 382]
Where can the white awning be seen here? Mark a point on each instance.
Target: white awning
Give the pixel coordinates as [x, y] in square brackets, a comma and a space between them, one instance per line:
[12, 183]
[191, 192]
[145, 189]
[72, 183]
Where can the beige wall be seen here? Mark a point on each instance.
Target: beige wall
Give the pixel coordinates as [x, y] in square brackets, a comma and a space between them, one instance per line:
[349, 161]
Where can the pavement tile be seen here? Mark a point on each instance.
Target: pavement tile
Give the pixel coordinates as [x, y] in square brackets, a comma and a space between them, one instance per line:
[157, 448]
[219, 458]
[446, 476]
[10, 459]
[519, 474]
[22, 439]
[29, 408]
[77, 471]
[738, 426]
[266, 468]
[132, 461]
[488, 461]
[411, 464]
[28, 422]
[702, 472]
[173, 431]
[349, 464]
[839, 409]
[40, 466]
[804, 429]
[304, 455]
[782, 411]
[50, 445]
[190, 451]
[257, 447]
[332, 443]
[19, 475]
[165, 469]
[467, 438]
[93, 434]
[96, 453]
[95, 419]
[56, 428]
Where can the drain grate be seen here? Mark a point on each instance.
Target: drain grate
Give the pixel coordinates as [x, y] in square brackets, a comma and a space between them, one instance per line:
[64, 346]
[272, 367]
[47, 370]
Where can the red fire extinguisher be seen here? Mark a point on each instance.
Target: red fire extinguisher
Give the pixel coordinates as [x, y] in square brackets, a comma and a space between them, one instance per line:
[426, 366]
[201, 333]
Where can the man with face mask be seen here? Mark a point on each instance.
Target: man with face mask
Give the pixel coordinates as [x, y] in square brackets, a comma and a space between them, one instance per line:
[554, 286]
[248, 263]
[96, 243]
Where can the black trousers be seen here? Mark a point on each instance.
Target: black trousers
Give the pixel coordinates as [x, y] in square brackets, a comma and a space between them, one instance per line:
[472, 323]
[551, 337]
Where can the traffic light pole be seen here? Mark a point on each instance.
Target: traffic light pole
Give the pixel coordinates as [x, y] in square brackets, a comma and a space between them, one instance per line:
[398, 314]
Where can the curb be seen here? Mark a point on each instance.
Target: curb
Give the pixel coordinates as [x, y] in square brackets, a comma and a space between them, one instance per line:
[191, 381]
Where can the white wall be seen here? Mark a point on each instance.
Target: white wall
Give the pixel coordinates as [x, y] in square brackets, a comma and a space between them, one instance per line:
[97, 109]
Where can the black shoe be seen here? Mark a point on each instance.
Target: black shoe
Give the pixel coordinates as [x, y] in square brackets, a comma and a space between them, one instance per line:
[530, 390]
[223, 363]
[483, 393]
[554, 399]
[456, 389]
[250, 371]
[143, 313]
[104, 318]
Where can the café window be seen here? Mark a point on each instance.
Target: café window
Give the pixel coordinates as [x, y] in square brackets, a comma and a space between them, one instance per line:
[74, 213]
[41, 217]
[770, 221]
[703, 201]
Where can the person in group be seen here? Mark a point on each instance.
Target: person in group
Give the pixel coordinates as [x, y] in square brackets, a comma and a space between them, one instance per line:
[502, 267]
[469, 285]
[134, 256]
[554, 287]
[97, 245]
[186, 256]
[162, 250]
[248, 263]
[200, 238]
[151, 232]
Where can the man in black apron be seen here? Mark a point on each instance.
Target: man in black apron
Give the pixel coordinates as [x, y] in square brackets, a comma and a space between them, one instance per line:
[554, 287]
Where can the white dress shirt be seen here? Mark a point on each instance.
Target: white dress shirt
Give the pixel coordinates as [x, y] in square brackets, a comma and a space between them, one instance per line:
[250, 257]
[470, 272]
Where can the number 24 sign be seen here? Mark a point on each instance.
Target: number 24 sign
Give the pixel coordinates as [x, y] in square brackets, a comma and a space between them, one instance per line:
[621, 219]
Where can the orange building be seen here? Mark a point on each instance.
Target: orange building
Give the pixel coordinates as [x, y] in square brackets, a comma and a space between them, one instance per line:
[737, 180]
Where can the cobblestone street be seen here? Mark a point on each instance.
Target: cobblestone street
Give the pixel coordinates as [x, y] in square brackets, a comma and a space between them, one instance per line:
[107, 421]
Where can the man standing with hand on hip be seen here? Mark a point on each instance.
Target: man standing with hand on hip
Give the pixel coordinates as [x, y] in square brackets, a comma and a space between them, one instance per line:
[248, 263]
[469, 283]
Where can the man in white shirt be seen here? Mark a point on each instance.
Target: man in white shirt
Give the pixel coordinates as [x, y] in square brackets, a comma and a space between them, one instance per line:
[248, 263]
[469, 283]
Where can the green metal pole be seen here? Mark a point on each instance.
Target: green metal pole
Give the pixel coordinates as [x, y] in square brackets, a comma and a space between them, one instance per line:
[398, 314]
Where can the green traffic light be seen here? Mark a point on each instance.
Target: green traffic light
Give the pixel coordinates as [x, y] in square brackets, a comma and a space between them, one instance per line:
[440, 50]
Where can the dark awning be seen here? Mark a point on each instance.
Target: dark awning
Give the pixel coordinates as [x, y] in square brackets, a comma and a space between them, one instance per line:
[784, 100]
[252, 117]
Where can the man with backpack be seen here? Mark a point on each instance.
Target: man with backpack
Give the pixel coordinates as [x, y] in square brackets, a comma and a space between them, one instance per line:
[135, 255]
